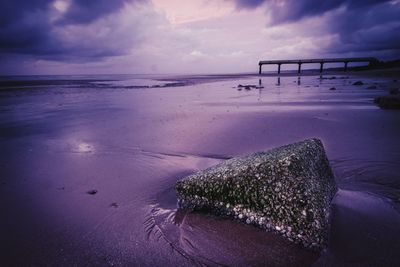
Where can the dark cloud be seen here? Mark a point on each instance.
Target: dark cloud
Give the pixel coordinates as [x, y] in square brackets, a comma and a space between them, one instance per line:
[361, 25]
[368, 30]
[294, 10]
[33, 28]
[249, 3]
[15, 9]
[24, 26]
[86, 11]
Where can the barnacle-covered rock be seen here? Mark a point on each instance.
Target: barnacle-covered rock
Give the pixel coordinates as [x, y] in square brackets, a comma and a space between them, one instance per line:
[286, 190]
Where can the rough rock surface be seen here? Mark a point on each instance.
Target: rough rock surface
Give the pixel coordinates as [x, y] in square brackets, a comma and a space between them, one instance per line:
[287, 190]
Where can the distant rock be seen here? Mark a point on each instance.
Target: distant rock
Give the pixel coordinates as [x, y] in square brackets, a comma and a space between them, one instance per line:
[92, 192]
[388, 102]
[332, 88]
[247, 86]
[394, 91]
[358, 83]
[287, 190]
[372, 87]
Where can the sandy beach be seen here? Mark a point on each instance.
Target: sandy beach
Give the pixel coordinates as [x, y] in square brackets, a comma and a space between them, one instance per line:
[89, 164]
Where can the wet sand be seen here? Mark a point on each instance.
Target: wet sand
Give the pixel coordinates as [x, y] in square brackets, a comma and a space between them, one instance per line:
[60, 140]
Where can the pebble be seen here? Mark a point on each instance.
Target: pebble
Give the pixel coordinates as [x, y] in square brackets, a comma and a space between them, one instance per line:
[92, 192]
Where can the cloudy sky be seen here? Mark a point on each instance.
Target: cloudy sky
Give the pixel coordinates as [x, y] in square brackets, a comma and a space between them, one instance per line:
[196, 36]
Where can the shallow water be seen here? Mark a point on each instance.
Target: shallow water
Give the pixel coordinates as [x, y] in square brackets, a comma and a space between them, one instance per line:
[60, 140]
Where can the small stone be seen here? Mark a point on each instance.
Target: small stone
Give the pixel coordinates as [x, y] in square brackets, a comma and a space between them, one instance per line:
[92, 192]
[332, 88]
[358, 83]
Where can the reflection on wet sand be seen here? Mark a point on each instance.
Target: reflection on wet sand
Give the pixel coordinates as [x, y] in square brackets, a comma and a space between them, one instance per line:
[213, 241]
[364, 232]
[205, 239]
[208, 240]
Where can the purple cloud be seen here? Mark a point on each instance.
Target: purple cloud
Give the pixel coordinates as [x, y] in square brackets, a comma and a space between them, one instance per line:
[36, 27]
[294, 10]
[362, 25]
[86, 11]
[24, 26]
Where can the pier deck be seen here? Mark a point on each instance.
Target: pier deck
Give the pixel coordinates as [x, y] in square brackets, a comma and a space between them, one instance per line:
[321, 61]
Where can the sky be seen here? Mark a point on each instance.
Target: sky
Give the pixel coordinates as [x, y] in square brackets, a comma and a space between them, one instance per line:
[194, 36]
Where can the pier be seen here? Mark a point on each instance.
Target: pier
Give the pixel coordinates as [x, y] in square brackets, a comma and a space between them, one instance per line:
[321, 61]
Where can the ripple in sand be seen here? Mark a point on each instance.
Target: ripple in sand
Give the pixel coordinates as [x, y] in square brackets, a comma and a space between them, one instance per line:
[206, 239]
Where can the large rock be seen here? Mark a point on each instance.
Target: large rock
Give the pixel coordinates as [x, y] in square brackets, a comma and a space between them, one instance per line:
[286, 190]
